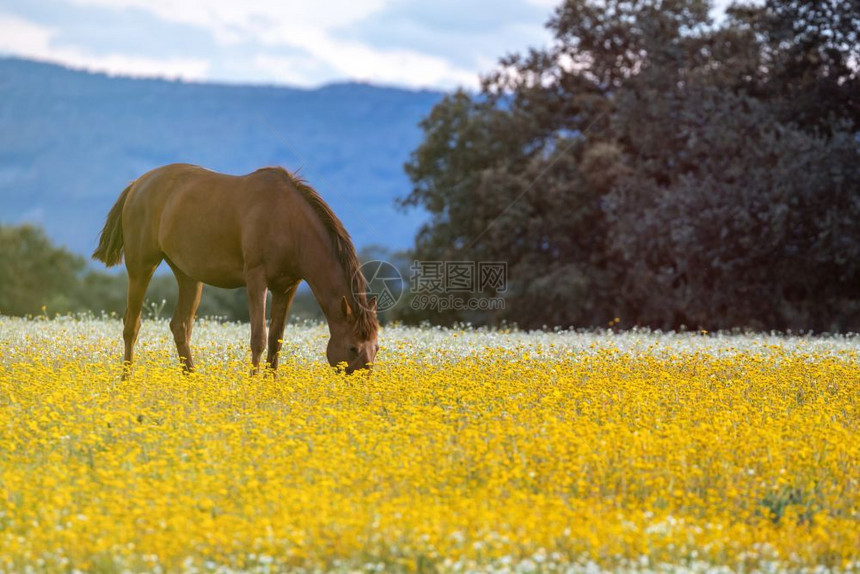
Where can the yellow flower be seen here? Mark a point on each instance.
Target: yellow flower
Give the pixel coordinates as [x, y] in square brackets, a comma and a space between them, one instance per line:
[519, 451]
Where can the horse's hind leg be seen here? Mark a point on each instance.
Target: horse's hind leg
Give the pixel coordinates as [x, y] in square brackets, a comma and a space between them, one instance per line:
[280, 307]
[138, 281]
[183, 316]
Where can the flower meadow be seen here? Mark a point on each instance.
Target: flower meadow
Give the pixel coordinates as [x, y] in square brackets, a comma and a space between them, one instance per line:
[464, 450]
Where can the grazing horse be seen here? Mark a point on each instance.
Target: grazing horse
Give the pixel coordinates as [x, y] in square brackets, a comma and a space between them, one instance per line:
[265, 230]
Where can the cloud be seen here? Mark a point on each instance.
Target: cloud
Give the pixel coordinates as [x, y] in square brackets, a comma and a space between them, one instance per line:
[31, 40]
[439, 44]
[23, 37]
[269, 21]
[309, 32]
[443, 44]
[357, 62]
[469, 35]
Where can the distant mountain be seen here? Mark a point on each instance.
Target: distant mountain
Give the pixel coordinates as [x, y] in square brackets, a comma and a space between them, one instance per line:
[70, 141]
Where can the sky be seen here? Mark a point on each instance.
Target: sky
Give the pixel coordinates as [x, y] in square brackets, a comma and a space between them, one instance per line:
[437, 44]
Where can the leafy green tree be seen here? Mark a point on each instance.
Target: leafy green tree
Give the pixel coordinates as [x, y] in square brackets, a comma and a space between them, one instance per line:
[656, 166]
[751, 231]
[812, 49]
[34, 274]
[101, 292]
[520, 172]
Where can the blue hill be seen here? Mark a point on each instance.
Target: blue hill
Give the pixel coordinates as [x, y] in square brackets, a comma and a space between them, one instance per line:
[70, 141]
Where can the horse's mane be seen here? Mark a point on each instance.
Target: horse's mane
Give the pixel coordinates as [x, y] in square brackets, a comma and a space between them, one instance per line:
[366, 322]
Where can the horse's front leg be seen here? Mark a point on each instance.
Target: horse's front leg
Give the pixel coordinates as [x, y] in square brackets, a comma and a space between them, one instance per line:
[280, 307]
[256, 284]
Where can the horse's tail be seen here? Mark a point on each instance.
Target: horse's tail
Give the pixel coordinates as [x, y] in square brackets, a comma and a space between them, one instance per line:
[110, 250]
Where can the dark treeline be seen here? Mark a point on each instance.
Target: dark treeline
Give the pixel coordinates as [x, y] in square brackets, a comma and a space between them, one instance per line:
[660, 168]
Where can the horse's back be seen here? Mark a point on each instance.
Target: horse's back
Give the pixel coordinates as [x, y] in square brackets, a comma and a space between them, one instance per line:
[201, 221]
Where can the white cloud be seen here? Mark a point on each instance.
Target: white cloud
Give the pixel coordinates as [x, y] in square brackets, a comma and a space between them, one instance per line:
[288, 70]
[273, 22]
[311, 29]
[358, 62]
[442, 45]
[30, 40]
[23, 37]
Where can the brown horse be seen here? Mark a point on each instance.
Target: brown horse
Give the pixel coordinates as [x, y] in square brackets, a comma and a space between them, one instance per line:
[265, 230]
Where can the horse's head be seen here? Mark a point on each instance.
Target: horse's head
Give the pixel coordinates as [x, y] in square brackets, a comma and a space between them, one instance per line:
[353, 340]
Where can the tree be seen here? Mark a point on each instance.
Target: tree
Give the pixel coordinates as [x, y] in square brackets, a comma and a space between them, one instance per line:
[34, 274]
[747, 229]
[812, 48]
[650, 165]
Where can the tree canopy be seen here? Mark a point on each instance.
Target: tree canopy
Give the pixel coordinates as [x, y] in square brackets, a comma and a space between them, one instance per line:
[658, 167]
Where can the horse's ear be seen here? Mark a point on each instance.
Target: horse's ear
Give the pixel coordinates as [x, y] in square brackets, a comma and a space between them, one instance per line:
[345, 308]
[371, 303]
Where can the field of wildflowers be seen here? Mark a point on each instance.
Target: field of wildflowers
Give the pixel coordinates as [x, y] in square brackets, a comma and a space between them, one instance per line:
[465, 450]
